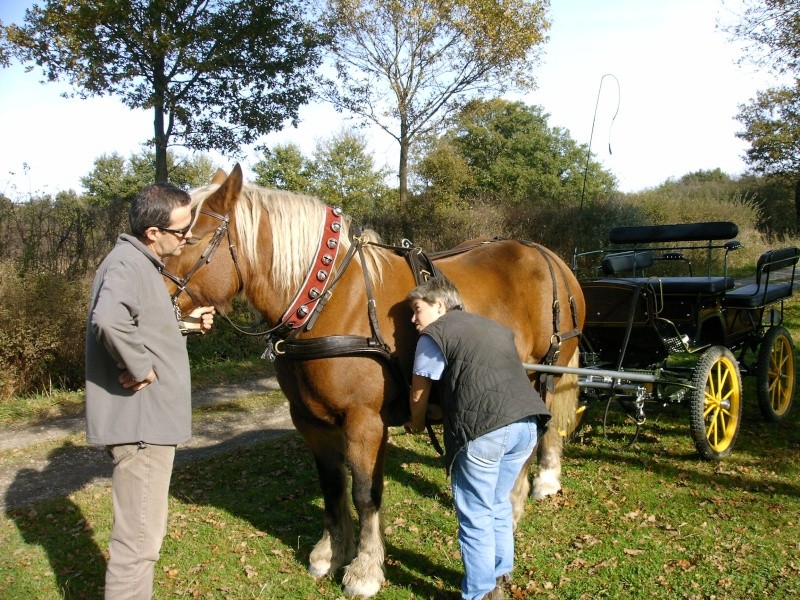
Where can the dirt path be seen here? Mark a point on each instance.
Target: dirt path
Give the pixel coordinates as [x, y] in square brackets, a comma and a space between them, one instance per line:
[51, 459]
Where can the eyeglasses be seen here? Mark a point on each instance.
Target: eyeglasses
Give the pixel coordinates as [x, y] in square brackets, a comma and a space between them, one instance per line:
[178, 232]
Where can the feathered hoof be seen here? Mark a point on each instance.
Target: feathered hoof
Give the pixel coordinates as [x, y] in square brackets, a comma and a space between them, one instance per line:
[319, 569]
[363, 577]
[547, 483]
[326, 559]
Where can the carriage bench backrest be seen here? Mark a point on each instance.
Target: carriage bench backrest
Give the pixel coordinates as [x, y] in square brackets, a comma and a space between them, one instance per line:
[686, 232]
[665, 238]
[627, 262]
[764, 291]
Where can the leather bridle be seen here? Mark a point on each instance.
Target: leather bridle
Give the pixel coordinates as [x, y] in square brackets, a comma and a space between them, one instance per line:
[205, 257]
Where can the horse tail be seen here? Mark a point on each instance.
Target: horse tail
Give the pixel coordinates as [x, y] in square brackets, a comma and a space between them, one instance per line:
[564, 403]
[563, 407]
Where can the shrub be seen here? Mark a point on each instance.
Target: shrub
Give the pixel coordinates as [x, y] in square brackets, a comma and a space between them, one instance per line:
[42, 320]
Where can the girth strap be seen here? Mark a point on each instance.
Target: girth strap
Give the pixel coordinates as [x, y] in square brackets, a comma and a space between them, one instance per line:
[331, 346]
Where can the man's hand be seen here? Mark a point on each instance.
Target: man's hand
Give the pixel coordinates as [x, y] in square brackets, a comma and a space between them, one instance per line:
[129, 383]
[200, 319]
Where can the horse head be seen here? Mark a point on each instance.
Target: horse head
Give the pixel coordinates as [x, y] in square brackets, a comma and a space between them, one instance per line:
[207, 272]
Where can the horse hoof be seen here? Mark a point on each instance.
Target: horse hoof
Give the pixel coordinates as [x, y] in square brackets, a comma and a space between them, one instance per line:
[319, 569]
[365, 589]
[545, 484]
[363, 577]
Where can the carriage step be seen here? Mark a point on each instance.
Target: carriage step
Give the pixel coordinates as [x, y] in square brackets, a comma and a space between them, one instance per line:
[672, 340]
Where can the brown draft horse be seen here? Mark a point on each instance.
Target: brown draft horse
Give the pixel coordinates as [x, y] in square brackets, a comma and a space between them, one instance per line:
[343, 405]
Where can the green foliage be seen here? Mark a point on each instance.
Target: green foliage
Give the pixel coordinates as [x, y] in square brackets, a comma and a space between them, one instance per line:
[771, 120]
[285, 168]
[776, 198]
[342, 172]
[772, 127]
[345, 174]
[511, 154]
[216, 75]
[700, 196]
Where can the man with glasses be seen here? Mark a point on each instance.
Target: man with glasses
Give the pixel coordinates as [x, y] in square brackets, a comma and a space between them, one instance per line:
[138, 389]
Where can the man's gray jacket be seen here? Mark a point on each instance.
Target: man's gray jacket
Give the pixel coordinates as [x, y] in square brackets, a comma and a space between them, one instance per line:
[131, 322]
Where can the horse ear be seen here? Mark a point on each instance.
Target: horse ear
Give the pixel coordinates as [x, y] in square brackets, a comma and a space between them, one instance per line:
[223, 198]
[219, 176]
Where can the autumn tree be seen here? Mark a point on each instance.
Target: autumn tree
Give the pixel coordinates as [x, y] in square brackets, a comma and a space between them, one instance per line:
[407, 65]
[216, 74]
[771, 120]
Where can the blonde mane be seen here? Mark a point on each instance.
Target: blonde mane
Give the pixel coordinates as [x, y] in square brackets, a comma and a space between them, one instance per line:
[296, 224]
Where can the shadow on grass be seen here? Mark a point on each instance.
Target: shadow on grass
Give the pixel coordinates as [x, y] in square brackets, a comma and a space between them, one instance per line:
[274, 487]
[665, 447]
[58, 525]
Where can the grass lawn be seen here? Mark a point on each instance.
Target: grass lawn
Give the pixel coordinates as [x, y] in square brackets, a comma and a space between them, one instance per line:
[646, 521]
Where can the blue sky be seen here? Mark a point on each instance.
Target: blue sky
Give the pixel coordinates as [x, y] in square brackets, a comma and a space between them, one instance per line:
[679, 88]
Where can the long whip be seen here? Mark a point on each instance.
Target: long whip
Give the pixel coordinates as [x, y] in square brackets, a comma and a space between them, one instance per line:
[589, 156]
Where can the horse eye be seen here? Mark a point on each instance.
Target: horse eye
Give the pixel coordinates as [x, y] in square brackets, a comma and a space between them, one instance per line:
[192, 241]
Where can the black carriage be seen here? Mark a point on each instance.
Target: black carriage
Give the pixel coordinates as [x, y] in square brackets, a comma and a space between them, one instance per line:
[666, 323]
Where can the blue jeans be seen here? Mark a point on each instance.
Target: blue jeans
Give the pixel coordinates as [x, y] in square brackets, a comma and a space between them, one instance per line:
[482, 476]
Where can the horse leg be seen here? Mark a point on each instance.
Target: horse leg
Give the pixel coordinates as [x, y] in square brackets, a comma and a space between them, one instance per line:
[519, 493]
[366, 442]
[563, 408]
[335, 548]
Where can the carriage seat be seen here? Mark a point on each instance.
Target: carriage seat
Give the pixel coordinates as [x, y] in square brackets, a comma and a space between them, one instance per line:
[764, 291]
[691, 285]
[634, 261]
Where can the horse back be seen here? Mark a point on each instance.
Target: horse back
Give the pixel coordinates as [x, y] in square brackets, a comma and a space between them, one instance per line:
[516, 284]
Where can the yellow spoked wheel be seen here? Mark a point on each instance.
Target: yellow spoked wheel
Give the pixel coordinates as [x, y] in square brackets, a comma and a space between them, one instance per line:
[775, 374]
[716, 403]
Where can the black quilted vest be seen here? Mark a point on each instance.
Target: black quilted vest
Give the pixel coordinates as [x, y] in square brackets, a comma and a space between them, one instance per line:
[484, 386]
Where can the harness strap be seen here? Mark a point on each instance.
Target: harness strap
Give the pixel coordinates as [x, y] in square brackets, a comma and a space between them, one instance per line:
[547, 380]
[309, 348]
[311, 292]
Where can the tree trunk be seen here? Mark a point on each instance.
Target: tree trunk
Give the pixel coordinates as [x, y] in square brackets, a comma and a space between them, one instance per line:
[797, 207]
[161, 138]
[403, 170]
[162, 174]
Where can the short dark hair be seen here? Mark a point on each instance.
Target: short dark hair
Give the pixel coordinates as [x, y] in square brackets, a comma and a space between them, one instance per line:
[153, 206]
[438, 288]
